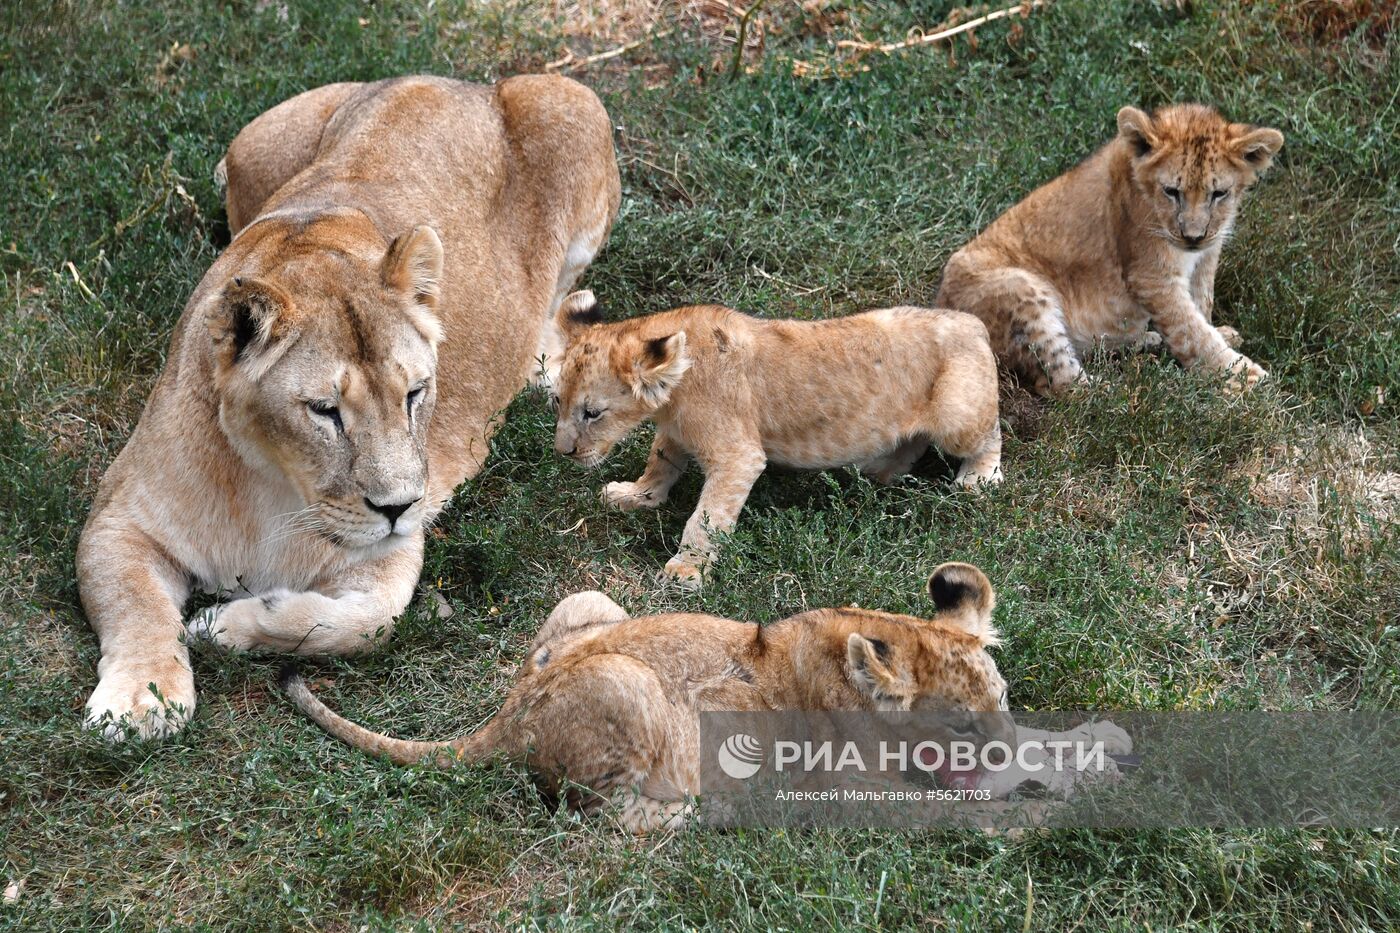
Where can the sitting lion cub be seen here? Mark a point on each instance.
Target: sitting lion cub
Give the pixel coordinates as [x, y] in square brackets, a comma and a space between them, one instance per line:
[1130, 236]
[614, 702]
[736, 393]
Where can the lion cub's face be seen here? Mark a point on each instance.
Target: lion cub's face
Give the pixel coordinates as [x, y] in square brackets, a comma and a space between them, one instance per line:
[938, 666]
[325, 373]
[1192, 167]
[611, 379]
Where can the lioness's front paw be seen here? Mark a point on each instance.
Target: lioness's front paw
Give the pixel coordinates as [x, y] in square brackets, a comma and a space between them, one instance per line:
[629, 496]
[136, 705]
[1245, 374]
[236, 625]
[683, 574]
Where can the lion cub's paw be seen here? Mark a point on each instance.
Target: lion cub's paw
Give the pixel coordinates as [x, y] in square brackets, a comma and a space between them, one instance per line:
[133, 705]
[1232, 337]
[683, 574]
[629, 496]
[978, 479]
[1245, 374]
[1115, 740]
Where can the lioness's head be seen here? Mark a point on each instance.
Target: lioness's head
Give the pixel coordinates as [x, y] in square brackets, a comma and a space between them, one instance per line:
[324, 369]
[611, 380]
[1192, 167]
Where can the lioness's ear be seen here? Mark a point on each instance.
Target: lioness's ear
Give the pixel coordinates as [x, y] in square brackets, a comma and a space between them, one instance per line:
[245, 321]
[579, 310]
[872, 671]
[1256, 145]
[1136, 127]
[414, 264]
[658, 367]
[964, 597]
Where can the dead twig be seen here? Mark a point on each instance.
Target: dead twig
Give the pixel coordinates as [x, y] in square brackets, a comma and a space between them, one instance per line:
[569, 62]
[912, 42]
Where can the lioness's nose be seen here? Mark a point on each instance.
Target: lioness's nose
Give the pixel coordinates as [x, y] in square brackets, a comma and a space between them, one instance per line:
[390, 510]
[1190, 240]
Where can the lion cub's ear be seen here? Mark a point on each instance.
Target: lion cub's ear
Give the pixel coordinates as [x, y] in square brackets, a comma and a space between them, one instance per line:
[1136, 127]
[873, 672]
[579, 310]
[246, 321]
[657, 368]
[413, 264]
[965, 598]
[1256, 145]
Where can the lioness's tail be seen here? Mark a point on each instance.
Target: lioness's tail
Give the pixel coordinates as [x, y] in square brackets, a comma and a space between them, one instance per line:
[401, 751]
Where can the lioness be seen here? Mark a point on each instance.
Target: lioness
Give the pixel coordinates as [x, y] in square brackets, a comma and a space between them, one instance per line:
[1130, 236]
[400, 250]
[611, 703]
[736, 392]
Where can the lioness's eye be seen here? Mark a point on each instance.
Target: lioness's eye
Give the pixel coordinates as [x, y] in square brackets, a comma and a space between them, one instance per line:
[327, 410]
[414, 397]
[1173, 193]
[1219, 193]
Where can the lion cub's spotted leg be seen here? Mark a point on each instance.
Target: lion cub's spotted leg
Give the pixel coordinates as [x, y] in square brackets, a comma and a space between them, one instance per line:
[729, 476]
[665, 465]
[1025, 319]
[354, 612]
[1039, 349]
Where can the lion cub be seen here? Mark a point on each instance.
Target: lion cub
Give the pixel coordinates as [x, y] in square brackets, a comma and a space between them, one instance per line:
[736, 393]
[614, 702]
[1130, 236]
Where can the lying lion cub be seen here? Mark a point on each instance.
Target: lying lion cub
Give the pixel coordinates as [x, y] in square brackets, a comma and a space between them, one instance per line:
[1130, 236]
[612, 702]
[736, 393]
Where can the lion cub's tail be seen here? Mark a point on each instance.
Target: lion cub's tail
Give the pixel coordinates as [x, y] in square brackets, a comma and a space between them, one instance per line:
[470, 748]
[964, 596]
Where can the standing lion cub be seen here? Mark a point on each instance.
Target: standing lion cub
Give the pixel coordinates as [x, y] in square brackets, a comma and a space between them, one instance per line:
[737, 393]
[1130, 236]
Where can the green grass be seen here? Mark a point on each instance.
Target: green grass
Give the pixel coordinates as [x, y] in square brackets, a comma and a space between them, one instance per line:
[1154, 545]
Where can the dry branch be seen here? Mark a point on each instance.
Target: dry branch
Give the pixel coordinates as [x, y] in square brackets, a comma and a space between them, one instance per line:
[569, 62]
[929, 39]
